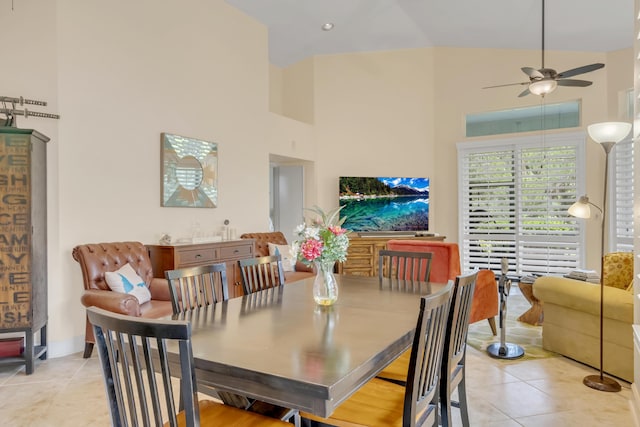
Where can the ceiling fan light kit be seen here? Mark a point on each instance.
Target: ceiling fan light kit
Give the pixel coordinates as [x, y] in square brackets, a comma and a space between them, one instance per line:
[545, 80]
[543, 87]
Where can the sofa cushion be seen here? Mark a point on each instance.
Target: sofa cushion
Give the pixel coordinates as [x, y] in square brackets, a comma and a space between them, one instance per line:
[125, 280]
[288, 262]
[617, 269]
[584, 297]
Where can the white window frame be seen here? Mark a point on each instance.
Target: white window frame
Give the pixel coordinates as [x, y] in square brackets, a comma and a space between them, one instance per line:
[621, 190]
[577, 139]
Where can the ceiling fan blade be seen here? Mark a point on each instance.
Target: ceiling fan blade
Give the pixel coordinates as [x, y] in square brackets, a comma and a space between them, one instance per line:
[581, 70]
[508, 84]
[532, 72]
[573, 82]
[524, 93]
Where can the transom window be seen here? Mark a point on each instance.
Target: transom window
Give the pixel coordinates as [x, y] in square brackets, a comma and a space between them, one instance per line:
[526, 119]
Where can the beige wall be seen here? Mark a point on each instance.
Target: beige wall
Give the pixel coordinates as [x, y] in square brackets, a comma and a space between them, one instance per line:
[120, 73]
[374, 117]
[299, 91]
[403, 112]
[276, 91]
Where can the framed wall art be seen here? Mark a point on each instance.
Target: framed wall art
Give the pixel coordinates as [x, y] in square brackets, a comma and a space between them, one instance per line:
[189, 172]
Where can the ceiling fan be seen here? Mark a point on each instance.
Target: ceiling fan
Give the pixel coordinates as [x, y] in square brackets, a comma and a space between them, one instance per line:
[545, 80]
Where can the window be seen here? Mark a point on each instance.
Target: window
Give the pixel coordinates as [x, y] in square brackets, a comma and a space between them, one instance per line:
[525, 119]
[621, 201]
[514, 196]
[621, 189]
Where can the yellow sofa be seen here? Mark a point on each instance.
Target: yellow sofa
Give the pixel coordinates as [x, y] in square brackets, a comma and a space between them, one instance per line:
[571, 324]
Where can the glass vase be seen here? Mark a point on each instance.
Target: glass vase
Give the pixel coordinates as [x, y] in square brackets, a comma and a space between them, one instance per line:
[325, 286]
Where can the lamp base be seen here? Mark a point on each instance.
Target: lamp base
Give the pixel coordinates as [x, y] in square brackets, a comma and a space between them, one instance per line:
[505, 351]
[601, 383]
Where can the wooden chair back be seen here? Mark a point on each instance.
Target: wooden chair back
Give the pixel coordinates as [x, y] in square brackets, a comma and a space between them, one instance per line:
[409, 267]
[197, 287]
[421, 393]
[261, 273]
[455, 347]
[131, 351]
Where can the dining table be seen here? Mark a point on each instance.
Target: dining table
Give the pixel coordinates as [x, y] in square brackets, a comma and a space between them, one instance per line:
[279, 346]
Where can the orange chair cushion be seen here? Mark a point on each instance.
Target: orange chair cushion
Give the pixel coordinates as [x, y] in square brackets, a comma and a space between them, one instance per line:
[445, 262]
[445, 265]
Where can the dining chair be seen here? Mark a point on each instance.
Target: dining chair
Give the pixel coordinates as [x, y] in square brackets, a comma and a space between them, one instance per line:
[261, 273]
[134, 355]
[404, 266]
[197, 287]
[446, 266]
[453, 364]
[383, 403]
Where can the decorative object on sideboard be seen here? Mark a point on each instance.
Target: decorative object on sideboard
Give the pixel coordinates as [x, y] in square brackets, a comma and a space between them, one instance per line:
[228, 233]
[8, 108]
[189, 172]
[165, 239]
[607, 134]
[323, 243]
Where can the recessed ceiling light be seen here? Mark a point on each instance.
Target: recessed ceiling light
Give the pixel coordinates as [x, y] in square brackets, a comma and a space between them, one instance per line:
[327, 27]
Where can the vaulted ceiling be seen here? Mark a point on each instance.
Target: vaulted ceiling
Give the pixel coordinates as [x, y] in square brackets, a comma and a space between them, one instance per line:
[368, 25]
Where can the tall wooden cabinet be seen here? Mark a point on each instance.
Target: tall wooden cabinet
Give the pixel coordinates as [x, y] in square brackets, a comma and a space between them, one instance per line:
[362, 256]
[23, 237]
[172, 257]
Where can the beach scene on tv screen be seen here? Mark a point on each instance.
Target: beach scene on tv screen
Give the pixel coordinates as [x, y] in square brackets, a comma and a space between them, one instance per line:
[384, 203]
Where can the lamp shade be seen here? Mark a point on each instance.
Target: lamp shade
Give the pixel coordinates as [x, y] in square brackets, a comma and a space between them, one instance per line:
[609, 131]
[581, 208]
[543, 87]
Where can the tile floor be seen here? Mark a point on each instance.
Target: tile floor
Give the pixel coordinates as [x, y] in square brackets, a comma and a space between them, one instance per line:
[68, 391]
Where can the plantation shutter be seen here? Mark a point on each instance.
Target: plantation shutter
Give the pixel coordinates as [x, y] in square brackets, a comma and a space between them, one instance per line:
[621, 202]
[514, 196]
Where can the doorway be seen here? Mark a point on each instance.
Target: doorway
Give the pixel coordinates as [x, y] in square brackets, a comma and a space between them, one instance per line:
[286, 198]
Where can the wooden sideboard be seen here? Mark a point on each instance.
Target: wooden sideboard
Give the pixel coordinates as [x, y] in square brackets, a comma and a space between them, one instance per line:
[362, 257]
[172, 257]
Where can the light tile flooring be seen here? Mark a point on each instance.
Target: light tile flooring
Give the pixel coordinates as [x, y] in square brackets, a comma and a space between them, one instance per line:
[68, 391]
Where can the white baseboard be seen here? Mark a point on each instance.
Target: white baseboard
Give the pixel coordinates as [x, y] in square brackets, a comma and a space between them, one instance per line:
[634, 404]
[65, 348]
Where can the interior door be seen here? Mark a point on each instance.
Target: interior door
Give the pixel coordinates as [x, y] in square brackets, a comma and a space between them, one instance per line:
[289, 198]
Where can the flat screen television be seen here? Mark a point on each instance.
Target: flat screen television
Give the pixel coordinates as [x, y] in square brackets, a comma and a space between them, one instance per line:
[385, 204]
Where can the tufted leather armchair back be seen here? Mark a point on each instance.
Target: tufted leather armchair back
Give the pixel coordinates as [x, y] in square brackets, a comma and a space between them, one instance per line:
[262, 240]
[95, 259]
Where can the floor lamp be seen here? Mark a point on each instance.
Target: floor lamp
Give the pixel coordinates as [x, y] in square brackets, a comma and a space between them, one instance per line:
[607, 135]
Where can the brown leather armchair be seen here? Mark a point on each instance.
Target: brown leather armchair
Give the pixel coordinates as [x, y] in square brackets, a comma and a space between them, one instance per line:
[97, 258]
[262, 241]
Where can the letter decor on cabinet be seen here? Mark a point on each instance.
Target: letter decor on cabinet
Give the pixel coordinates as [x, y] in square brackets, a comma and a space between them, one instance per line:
[23, 245]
